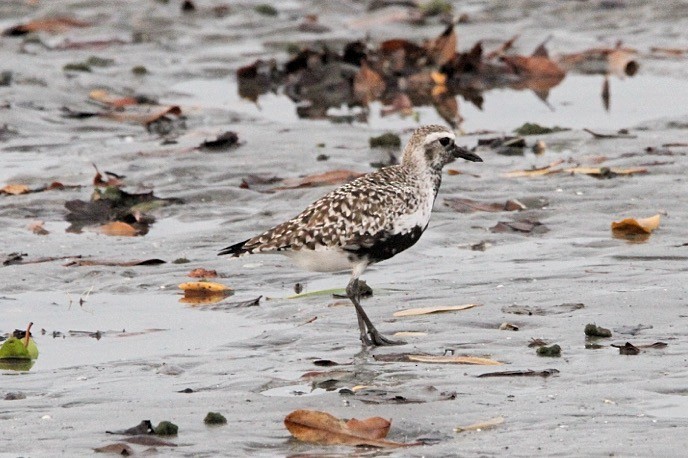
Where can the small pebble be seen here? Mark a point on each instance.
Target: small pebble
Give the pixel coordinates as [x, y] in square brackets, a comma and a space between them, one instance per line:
[214, 418]
[166, 428]
[554, 350]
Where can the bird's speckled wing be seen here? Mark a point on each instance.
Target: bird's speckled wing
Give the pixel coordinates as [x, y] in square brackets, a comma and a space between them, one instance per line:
[356, 216]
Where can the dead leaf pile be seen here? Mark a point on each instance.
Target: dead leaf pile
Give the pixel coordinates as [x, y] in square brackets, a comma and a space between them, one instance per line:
[401, 74]
[112, 211]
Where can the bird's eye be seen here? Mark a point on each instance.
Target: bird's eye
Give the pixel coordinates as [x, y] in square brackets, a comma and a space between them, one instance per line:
[445, 141]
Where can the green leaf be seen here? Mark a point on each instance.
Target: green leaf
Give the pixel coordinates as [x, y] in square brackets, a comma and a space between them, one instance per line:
[15, 349]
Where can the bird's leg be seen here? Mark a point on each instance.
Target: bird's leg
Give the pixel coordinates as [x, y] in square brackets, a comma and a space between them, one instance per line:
[370, 336]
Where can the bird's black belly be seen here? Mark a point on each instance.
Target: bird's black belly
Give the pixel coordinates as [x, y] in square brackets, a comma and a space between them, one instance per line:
[383, 246]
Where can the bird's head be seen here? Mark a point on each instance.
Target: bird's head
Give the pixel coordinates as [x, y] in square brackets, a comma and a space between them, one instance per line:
[434, 146]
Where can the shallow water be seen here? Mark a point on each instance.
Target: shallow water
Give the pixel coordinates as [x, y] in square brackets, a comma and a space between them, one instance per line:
[248, 363]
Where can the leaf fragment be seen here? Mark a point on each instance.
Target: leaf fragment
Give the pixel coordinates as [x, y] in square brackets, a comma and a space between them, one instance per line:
[480, 426]
[526, 373]
[15, 189]
[429, 310]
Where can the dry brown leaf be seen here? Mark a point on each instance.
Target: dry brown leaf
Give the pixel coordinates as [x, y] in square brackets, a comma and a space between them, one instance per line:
[472, 360]
[38, 229]
[480, 426]
[117, 449]
[104, 97]
[320, 179]
[632, 226]
[118, 228]
[371, 428]
[401, 103]
[673, 52]
[429, 310]
[368, 84]
[534, 66]
[504, 47]
[618, 61]
[52, 25]
[322, 428]
[15, 189]
[144, 118]
[447, 105]
[596, 171]
[546, 170]
[443, 48]
[112, 179]
[202, 273]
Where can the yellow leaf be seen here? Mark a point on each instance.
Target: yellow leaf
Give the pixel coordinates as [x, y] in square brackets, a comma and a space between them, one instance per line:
[473, 360]
[636, 226]
[204, 287]
[428, 310]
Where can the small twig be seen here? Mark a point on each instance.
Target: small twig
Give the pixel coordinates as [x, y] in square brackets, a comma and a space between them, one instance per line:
[28, 334]
[618, 135]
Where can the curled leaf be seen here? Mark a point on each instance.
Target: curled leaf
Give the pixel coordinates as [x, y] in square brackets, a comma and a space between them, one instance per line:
[632, 226]
[322, 428]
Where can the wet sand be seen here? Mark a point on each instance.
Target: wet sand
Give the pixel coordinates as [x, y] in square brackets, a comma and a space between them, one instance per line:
[247, 363]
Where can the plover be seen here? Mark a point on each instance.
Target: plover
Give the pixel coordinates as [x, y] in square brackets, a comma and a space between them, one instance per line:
[367, 220]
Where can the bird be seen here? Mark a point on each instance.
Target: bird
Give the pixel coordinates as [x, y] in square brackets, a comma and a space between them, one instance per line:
[367, 220]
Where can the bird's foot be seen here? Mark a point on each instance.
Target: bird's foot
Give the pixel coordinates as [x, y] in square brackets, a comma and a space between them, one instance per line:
[373, 338]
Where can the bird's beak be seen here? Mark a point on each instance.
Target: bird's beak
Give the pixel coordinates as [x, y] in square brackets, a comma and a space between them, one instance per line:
[463, 153]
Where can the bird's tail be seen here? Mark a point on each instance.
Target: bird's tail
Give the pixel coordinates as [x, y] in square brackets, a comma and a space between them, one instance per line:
[235, 250]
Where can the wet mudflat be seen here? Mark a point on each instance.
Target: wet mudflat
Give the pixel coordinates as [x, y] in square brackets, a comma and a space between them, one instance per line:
[556, 270]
